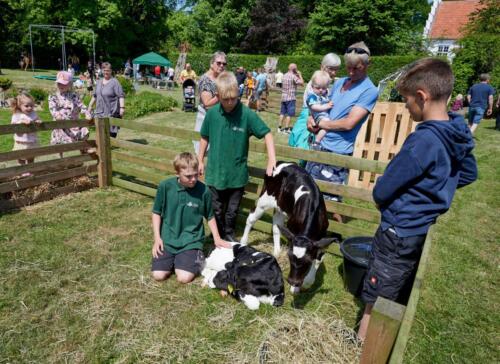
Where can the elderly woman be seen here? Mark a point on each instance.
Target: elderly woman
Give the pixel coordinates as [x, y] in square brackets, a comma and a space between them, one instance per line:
[300, 135]
[109, 98]
[353, 99]
[208, 91]
[66, 104]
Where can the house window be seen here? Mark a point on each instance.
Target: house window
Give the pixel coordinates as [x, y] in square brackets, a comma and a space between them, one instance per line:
[443, 50]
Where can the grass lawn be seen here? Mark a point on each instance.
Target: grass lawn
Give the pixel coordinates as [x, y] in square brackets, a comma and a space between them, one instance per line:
[75, 286]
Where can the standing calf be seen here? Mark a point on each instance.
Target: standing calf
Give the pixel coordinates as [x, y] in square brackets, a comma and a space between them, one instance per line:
[293, 193]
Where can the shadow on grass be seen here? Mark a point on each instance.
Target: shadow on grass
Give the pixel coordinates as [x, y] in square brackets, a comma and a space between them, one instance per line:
[356, 298]
[139, 141]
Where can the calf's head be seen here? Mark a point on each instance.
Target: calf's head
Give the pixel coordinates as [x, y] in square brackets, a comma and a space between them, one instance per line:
[304, 255]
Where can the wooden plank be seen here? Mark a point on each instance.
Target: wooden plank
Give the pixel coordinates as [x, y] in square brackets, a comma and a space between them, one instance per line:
[347, 230]
[166, 167]
[104, 168]
[146, 149]
[6, 205]
[353, 211]
[404, 331]
[45, 166]
[322, 157]
[46, 125]
[157, 129]
[20, 184]
[51, 149]
[342, 190]
[146, 176]
[383, 328]
[135, 187]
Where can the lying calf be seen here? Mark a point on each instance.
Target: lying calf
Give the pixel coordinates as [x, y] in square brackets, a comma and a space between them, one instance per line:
[247, 274]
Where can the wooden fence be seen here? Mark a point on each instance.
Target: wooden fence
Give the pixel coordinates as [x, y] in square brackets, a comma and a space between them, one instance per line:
[16, 178]
[138, 167]
[380, 137]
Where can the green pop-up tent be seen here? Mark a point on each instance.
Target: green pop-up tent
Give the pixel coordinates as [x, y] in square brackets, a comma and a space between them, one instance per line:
[152, 59]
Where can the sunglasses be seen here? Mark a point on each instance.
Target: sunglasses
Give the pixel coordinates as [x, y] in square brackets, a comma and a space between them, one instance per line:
[221, 64]
[356, 50]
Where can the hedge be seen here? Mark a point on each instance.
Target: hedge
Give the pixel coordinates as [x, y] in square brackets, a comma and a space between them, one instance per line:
[381, 66]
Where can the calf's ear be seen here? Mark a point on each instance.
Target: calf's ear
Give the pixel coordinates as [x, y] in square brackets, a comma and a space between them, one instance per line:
[288, 234]
[323, 243]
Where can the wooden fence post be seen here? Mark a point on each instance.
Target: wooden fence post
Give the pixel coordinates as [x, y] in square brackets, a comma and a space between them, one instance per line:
[104, 168]
[382, 331]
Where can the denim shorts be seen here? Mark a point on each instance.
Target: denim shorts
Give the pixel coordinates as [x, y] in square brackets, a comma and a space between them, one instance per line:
[475, 115]
[392, 266]
[288, 108]
[327, 173]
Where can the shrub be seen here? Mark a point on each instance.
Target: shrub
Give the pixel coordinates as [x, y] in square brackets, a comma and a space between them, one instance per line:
[39, 94]
[11, 93]
[145, 103]
[127, 85]
[380, 66]
[5, 83]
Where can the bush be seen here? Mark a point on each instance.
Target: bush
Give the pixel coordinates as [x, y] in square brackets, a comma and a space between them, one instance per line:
[5, 83]
[145, 103]
[11, 93]
[39, 94]
[380, 67]
[127, 85]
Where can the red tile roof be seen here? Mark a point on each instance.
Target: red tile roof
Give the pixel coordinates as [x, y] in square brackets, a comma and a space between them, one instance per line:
[450, 18]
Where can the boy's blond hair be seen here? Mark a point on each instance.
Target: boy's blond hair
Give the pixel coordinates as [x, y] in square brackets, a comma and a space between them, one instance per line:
[432, 75]
[185, 160]
[321, 78]
[227, 85]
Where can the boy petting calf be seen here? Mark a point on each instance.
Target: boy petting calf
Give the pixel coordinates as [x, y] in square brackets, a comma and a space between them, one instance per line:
[419, 183]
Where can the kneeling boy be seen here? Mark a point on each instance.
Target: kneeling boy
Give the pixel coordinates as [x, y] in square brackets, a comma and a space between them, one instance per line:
[418, 184]
[180, 205]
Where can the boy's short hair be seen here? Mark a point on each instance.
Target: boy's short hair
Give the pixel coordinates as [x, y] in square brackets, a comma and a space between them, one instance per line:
[227, 85]
[484, 77]
[320, 78]
[430, 74]
[185, 160]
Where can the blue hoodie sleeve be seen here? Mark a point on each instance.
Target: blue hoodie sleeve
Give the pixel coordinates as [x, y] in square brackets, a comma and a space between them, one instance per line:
[468, 172]
[403, 169]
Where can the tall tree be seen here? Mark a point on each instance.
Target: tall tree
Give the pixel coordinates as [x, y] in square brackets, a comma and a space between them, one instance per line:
[387, 26]
[275, 28]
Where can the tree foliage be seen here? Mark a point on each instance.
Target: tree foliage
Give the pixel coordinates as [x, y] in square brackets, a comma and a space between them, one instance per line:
[479, 51]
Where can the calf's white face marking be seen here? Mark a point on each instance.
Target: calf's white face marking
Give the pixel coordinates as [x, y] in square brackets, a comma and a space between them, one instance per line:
[280, 167]
[299, 252]
[300, 192]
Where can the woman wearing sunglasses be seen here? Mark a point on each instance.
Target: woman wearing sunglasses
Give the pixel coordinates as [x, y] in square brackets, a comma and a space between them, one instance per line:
[208, 91]
[353, 98]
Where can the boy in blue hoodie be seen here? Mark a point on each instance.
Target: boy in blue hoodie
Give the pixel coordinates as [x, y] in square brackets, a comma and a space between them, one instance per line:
[418, 184]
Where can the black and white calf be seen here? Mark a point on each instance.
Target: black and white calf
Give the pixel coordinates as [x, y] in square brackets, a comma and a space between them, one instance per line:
[249, 275]
[292, 193]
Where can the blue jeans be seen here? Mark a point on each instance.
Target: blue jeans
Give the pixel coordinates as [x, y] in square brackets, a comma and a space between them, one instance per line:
[475, 115]
[328, 173]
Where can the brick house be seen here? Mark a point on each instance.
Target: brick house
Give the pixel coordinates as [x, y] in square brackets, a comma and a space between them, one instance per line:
[445, 24]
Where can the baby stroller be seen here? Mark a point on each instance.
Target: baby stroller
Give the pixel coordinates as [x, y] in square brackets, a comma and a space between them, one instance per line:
[189, 93]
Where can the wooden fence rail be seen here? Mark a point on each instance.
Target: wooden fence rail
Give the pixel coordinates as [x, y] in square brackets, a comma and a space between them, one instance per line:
[15, 178]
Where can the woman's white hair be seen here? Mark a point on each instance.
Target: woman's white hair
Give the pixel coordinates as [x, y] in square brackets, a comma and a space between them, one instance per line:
[331, 60]
[217, 55]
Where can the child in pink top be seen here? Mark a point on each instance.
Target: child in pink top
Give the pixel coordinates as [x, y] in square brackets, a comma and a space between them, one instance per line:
[23, 113]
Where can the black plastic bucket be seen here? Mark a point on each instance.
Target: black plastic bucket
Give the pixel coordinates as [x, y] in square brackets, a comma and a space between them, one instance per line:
[356, 252]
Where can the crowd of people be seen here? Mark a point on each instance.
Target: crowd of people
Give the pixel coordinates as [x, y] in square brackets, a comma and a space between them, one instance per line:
[417, 186]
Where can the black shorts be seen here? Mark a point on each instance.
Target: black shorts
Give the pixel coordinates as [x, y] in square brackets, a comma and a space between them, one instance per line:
[392, 266]
[188, 260]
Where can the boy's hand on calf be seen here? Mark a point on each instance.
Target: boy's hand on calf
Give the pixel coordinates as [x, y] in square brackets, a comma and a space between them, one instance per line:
[157, 248]
[219, 243]
[270, 168]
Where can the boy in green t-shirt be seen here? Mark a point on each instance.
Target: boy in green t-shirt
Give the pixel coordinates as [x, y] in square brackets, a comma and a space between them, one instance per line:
[181, 203]
[228, 127]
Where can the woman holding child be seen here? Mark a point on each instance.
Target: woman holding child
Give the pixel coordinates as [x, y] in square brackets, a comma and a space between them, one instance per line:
[208, 91]
[353, 99]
